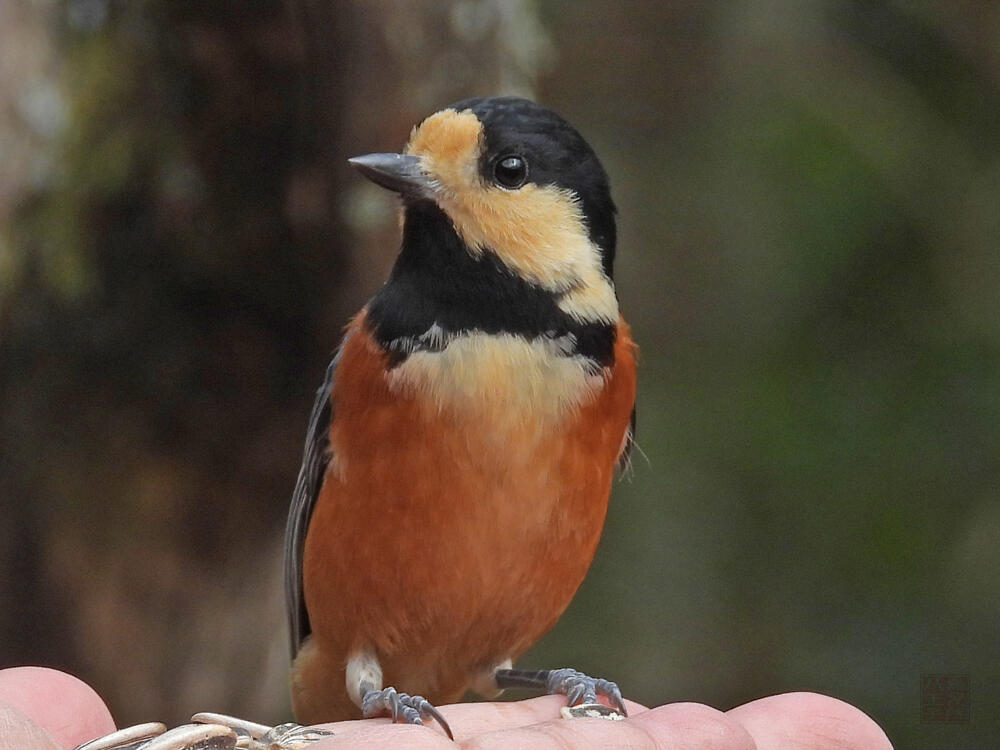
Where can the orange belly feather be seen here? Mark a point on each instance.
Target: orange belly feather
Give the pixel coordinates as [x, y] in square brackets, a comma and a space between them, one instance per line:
[444, 544]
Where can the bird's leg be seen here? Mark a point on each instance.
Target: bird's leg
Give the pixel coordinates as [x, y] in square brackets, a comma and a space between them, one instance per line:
[364, 685]
[580, 689]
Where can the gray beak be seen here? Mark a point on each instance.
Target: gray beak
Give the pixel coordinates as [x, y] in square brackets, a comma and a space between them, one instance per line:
[400, 173]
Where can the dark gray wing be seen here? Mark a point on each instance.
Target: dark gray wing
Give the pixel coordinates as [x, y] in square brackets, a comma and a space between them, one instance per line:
[624, 462]
[315, 459]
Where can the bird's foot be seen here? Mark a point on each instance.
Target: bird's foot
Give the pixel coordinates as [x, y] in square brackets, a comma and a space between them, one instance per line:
[581, 690]
[402, 707]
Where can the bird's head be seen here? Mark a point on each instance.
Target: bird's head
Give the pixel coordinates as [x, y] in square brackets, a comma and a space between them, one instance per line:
[519, 182]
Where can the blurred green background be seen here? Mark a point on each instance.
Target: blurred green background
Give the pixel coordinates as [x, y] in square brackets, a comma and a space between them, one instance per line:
[809, 195]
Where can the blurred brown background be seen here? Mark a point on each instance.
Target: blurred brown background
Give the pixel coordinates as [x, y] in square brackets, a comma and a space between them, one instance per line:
[809, 196]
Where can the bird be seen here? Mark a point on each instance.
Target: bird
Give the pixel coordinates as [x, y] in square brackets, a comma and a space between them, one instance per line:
[461, 449]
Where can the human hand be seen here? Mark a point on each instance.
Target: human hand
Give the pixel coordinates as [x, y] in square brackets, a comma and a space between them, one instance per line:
[42, 709]
[794, 721]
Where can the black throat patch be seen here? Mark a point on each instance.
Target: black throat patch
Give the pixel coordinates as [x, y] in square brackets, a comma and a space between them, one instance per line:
[438, 290]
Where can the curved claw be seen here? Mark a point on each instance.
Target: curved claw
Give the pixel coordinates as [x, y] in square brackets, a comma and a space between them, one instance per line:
[394, 705]
[620, 704]
[402, 707]
[610, 690]
[427, 709]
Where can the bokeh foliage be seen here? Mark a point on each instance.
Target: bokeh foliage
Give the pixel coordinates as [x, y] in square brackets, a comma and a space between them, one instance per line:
[809, 194]
[810, 200]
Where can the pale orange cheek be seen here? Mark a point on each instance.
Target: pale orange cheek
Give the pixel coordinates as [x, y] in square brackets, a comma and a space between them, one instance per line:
[449, 143]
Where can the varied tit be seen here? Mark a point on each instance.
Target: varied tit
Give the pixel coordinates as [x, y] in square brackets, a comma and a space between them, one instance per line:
[461, 449]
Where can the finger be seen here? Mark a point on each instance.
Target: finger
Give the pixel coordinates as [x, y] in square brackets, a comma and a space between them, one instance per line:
[470, 719]
[68, 709]
[679, 726]
[18, 732]
[529, 725]
[692, 726]
[809, 721]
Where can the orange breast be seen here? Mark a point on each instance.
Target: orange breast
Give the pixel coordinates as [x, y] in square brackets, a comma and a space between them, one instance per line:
[446, 540]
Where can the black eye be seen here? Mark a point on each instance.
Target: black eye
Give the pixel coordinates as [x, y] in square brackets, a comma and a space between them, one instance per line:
[510, 171]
